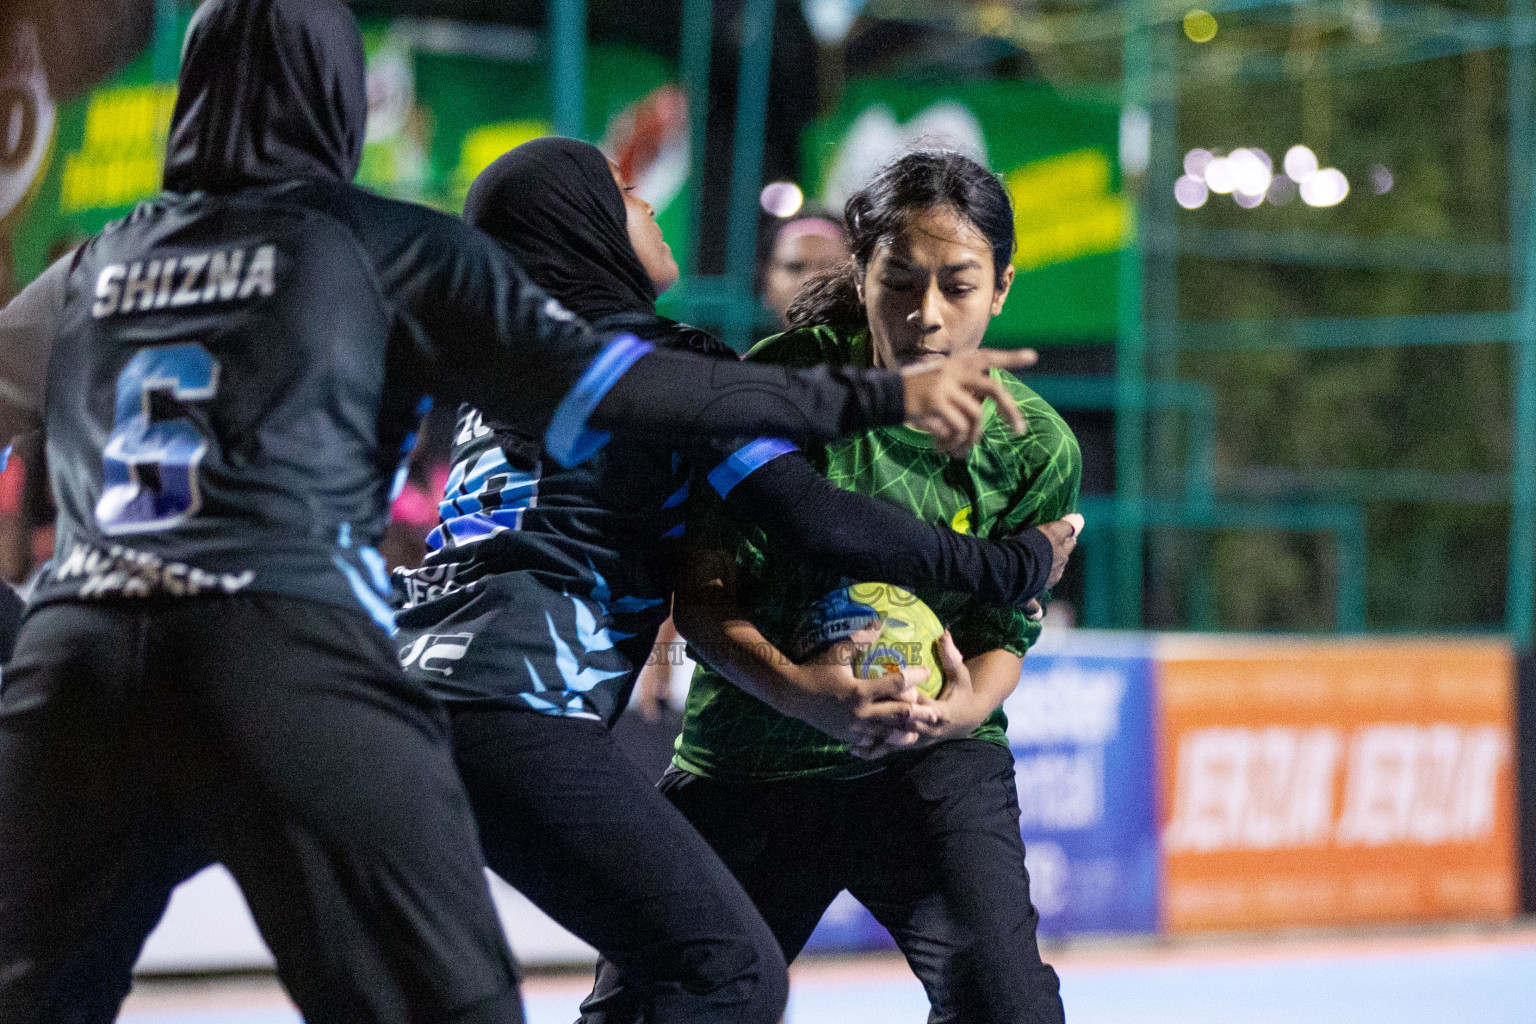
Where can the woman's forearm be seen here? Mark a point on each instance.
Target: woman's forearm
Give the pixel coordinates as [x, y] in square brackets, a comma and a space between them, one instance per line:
[27, 328]
[994, 676]
[708, 618]
[824, 694]
[672, 395]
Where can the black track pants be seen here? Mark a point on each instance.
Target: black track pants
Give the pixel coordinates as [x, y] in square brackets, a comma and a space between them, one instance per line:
[275, 735]
[570, 821]
[930, 844]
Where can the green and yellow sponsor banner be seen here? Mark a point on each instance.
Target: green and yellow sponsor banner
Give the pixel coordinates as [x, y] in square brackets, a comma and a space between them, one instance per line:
[438, 116]
[122, 147]
[105, 154]
[441, 108]
[1058, 159]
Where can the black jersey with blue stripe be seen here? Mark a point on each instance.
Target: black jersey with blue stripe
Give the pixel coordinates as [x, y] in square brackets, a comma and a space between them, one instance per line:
[237, 367]
[236, 378]
[544, 586]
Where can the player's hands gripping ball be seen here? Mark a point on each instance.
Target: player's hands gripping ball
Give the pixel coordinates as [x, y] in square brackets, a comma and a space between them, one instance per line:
[909, 631]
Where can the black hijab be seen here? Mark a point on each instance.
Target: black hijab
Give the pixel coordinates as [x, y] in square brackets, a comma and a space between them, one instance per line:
[554, 204]
[270, 91]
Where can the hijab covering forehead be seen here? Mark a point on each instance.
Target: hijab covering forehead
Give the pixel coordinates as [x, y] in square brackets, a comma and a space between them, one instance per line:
[270, 91]
[554, 203]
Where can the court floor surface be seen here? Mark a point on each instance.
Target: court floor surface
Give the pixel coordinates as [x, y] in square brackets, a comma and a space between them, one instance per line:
[1446, 977]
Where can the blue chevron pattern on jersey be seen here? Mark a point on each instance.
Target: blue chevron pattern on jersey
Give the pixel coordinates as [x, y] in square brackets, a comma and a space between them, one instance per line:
[484, 495]
[524, 540]
[578, 679]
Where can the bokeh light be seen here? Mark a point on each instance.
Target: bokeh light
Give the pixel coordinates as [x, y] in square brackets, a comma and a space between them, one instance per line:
[1327, 187]
[1381, 179]
[1247, 201]
[1190, 192]
[1281, 190]
[1196, 161]
[1200, 26]
[1219, 176]
[1250, 175]
[782, 198]
[1300, 163]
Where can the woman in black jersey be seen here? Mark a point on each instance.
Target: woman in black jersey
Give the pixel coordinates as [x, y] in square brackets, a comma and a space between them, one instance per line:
[544, 588]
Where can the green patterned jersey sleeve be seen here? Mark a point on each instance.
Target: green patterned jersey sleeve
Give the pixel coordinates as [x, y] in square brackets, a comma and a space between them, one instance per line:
[1050, 477]
[1053, 465]
[984, 628]
[805, 347]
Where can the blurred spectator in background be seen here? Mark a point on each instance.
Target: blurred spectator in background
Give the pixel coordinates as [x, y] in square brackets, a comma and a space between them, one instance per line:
[413, 514]
[806, 246]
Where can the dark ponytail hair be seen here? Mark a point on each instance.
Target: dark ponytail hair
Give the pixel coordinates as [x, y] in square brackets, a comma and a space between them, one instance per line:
[915, 182]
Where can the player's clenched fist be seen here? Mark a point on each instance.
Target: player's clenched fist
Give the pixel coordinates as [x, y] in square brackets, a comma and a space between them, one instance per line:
[1063, 537]
[1062, 534]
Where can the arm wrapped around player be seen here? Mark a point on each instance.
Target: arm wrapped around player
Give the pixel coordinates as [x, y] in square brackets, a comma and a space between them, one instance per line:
[865, 538]
[541, 358]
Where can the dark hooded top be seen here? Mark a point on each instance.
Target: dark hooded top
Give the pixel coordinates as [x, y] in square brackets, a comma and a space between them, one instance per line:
[525, 547]
[553, 202]
[240, 364]
[529, 555]
[247, 111]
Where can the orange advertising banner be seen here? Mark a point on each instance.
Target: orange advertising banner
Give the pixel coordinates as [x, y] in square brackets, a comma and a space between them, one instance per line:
[1335, 782]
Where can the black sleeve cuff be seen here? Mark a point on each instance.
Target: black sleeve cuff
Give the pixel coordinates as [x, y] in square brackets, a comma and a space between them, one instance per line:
[1039, 547]
[879, 399]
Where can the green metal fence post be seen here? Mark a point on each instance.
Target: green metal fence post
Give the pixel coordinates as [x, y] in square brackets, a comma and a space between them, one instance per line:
[1096, 576]
[747, 164]
[1169, 556]
[698, 29]
[1522, 514]
[166, 59]
[1349, 539]
[1130, 357]
[1200, 493]
[568, 65]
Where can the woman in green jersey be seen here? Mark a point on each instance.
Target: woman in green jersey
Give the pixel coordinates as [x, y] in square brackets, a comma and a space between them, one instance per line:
[922, 824]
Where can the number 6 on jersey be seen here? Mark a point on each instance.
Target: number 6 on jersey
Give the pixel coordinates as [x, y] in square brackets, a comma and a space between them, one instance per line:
[150, 463]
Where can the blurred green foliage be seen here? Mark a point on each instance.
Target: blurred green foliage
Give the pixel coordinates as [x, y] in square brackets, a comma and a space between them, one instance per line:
[1322, 424]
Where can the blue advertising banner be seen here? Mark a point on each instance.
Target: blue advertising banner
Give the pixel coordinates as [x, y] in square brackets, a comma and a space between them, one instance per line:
[1080, 724]
[847, 927]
